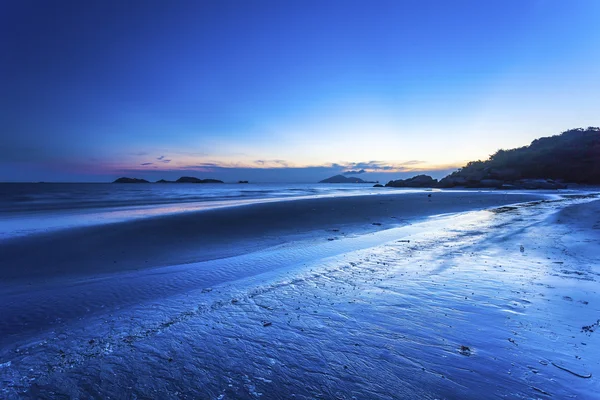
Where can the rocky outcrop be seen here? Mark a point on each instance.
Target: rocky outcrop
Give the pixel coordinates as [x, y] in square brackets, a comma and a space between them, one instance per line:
[130, 180]
[489, 180]
[452, 181]
[419, 181]
[191, 179]
[539, 184]
[378, 185]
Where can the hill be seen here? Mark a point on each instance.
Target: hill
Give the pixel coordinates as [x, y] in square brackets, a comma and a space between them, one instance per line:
[573, 156]
[130, 180]
[343, 179]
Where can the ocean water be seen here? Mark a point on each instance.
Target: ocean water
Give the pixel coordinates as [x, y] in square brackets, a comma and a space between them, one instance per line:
[27, 208]
[28, 197]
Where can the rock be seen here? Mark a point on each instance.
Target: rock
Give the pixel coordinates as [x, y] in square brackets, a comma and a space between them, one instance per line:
[130, 180]
[465, 351]
[490, 183]
[540, 184]
[164, 181]
[242, 181]
[452, 181]
[423, 181]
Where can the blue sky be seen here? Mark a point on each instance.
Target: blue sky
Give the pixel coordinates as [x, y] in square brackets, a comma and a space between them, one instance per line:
[287, 90]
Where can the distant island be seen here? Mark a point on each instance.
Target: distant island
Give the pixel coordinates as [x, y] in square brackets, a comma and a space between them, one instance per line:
[130, 180]
[183, 179]
[344, 179]
[191, 179]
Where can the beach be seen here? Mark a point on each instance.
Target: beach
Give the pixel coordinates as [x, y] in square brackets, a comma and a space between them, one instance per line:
[433, 295]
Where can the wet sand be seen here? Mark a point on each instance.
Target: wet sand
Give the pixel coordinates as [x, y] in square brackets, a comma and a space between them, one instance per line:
[221, 233]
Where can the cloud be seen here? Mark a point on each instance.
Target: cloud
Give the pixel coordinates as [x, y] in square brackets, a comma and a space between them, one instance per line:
[354, 168]
[272, 163]
[160, 158]
[413, 162]
[362, 171]
[375, 169]
[147, 163]
[372, 166]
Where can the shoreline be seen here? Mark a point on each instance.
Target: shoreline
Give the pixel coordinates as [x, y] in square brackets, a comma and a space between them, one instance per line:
[196, 236]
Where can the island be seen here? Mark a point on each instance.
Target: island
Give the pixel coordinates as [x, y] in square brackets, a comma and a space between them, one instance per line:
[344, 179]
[130, 180]
[183, 179]
[191, 179]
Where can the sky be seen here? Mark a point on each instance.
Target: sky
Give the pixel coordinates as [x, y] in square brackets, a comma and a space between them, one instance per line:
[287, 91]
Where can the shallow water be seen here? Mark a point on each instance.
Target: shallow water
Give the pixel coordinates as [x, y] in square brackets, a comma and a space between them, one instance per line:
[375, 316]
[24, 197]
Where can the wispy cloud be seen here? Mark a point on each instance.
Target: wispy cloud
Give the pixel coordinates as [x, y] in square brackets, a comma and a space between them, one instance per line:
[272, 163]
[413, 162]
[354, 168]
[362, 171]
[346, 168]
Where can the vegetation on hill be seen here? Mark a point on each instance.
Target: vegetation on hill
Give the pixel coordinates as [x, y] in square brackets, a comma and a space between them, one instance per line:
[573, 156]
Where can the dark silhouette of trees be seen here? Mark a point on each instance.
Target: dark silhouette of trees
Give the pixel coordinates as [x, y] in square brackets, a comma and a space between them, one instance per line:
[572, 156]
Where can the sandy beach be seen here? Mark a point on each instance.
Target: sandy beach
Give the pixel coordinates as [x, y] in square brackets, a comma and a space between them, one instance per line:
[225, 232]
[459, 295]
